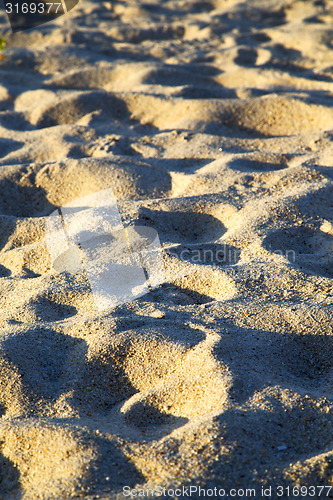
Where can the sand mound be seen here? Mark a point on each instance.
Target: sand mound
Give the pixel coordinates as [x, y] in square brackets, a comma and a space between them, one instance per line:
[128, 179]
[271, 115]
[279, 116]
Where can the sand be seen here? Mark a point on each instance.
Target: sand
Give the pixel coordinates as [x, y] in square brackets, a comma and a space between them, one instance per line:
[212, 123]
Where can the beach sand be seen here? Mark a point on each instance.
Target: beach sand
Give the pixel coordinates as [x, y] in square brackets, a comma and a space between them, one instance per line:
[212, 122]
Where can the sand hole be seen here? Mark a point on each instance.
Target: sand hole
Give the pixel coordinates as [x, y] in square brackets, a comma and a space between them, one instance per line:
[307, 249]
[181, 226]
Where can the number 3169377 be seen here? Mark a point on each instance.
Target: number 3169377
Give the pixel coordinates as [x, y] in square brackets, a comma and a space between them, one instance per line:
[33, 8]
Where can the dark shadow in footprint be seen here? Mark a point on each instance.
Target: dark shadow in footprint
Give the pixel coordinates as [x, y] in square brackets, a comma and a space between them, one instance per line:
[169, 293]
[23, 201]
[296, 360]
[187, 337]
[4, 272]
[9, 479]
[104, 112]
[51, 364]
[252, 16]
[9, 145]
[40, 356]
[111, 470]
[68, 111]
[14, 121]
[175, 75]
[246, 56]
[298, 239]
[181, 164]
[309, 356]
[290, 60]
[247, 165]
[29, 273]
[325, 170]
[253, 39]
[316, 97]
[100, 383]
[7, 227]
[199, 6]
[208, 92]
[182, 227]
[304, 247]
[195, 81]
[278, 433]
[50, 310]
[145, 416]
[318, 203]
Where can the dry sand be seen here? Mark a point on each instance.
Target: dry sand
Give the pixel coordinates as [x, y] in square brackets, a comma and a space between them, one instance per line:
[212, 121]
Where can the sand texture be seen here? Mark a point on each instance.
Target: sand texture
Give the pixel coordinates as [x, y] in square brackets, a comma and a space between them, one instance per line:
[212, 122]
